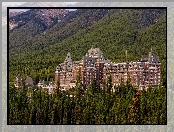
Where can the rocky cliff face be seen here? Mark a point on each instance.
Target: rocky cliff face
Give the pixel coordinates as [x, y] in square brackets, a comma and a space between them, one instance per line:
[45, 16]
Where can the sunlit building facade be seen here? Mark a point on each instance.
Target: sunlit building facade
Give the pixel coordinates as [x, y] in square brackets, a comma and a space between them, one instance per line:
[93, 65]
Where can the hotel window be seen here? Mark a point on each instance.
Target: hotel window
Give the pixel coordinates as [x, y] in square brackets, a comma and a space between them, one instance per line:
[155, 81]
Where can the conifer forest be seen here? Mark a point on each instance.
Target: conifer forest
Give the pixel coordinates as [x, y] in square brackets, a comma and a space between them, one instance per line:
[39, 41]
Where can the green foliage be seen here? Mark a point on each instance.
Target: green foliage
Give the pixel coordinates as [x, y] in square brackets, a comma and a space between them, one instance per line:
[114, 32]
[127, 105]
[36, 35]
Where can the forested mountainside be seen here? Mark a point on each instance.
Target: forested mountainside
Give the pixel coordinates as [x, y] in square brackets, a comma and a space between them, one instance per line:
[30, 23]
[12, 14]
[69, 25]
[114, 32]
[45, 16]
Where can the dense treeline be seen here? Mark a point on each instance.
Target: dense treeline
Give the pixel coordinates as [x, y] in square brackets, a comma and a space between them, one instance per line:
[60, 30]
[134, 30]
[76, 21]
[93, 105]
[32, 23]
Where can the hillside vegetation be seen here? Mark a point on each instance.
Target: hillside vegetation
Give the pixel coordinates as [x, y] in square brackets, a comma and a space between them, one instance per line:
[32, 22]
[72, 23]
[114, 32]
[91, 106]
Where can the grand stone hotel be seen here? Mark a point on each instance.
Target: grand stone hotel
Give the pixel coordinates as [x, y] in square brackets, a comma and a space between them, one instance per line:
[142, 73]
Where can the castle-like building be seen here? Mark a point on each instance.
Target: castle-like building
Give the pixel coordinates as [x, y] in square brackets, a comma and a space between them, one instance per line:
[142, 73]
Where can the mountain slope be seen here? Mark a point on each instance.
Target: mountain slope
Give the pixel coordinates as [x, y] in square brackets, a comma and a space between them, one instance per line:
[113, 34]
[72, 23]
[30, 23]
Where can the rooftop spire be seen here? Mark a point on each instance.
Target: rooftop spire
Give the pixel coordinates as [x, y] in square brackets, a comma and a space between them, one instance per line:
[126, 55]
[68, 57]
[92, 47]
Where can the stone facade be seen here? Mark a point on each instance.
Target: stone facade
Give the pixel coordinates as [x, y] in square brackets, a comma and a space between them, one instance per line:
[93, 65]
